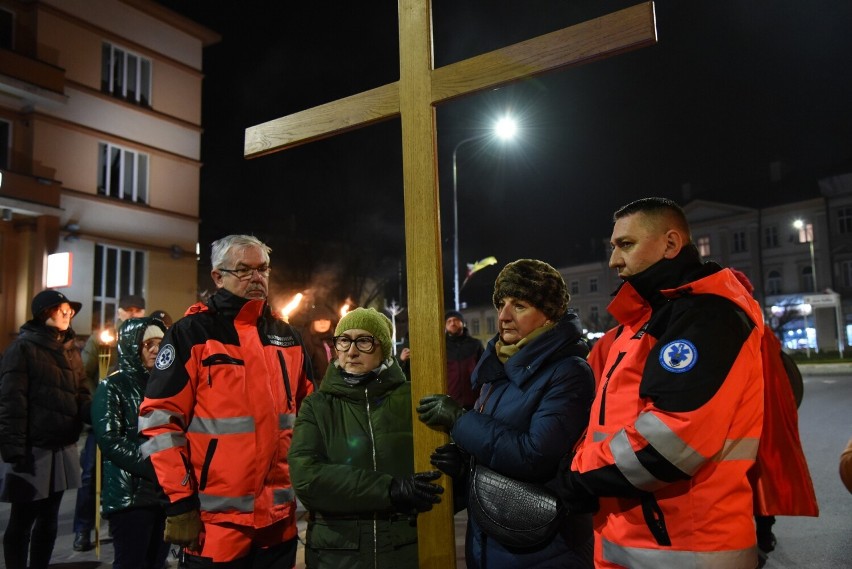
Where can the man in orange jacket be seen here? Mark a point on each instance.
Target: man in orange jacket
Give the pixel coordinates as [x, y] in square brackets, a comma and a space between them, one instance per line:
[218, 413]
[677, 417]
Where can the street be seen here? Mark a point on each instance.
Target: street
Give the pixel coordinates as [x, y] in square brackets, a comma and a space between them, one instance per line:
[825, 424]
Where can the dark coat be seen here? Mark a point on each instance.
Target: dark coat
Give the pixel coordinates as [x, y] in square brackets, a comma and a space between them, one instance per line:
[349, 442]
[129, 480]
[534, 409]
[44, 400]
[463, 353]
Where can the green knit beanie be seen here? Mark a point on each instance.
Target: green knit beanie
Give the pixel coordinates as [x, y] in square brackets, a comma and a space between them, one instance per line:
[535, 282]
[372, 321]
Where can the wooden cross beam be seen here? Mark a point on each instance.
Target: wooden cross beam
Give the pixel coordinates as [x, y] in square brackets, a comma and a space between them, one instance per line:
[413, 98]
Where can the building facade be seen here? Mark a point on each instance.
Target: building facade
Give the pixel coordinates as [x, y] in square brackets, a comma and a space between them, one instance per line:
[100, 120]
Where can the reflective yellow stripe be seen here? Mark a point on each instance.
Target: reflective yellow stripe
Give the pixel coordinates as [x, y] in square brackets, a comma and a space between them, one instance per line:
[642, 558]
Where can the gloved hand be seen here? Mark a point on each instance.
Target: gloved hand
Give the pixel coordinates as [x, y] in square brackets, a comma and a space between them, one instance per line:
[574, 495]
[439, 410]
[183, 529]
[450, 459]
[415, 492]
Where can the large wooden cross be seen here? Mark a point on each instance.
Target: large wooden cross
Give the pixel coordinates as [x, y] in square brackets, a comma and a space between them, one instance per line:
[413, 98]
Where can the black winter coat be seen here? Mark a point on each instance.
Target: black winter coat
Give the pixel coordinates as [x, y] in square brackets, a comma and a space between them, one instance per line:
[43, 395]
[129, 479]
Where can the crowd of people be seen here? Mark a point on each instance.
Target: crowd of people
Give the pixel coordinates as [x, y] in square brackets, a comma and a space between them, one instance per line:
[654, 450]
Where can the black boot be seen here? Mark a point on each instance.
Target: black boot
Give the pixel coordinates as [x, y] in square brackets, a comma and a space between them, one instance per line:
[82, 541]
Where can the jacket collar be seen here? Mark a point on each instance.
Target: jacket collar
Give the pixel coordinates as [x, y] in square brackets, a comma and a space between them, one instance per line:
[387, 381]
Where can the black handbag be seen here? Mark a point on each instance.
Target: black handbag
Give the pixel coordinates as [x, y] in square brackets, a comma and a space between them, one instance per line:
[515, 513]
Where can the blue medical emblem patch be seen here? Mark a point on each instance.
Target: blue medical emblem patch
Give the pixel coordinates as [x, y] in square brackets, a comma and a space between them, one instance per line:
[165, 357]
[678, 356]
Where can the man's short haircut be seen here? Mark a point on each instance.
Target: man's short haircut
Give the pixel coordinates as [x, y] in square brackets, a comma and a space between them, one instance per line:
[221, 248]
[657, 209]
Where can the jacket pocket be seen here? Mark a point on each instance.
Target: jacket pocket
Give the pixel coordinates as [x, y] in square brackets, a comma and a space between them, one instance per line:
[324, 534]
[208, 458]
[219, 359]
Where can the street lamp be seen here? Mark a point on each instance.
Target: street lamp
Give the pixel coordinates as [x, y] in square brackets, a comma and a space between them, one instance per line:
[806, 233]
[505, 128]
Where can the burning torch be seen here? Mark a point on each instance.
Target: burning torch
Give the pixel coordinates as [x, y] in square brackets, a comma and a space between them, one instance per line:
[291, 306]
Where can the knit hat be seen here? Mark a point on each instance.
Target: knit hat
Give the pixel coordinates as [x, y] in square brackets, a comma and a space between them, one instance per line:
[48, 299]
[372, 321]
[152, 331]
[453, 314]
[535, 282]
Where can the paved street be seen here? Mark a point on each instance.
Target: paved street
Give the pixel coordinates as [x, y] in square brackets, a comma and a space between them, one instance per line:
[825, 423]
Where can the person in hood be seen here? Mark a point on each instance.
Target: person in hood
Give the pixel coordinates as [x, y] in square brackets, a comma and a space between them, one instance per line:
[131, 497]
[44, 402]
[536, 390]
[352, 457]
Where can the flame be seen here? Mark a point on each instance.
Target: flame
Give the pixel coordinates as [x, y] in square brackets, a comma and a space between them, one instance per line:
[106, 336]
[344, 310]
[291, 306]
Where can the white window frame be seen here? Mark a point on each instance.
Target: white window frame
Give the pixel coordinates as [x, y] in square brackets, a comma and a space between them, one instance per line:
[117, 272]
[133, 173]
[134, 69]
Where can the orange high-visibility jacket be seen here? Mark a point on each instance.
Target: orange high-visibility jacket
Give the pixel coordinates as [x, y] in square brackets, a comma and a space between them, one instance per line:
[675, 427]
[219, 412]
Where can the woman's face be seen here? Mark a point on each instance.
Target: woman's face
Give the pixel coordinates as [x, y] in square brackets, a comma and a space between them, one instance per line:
[517, 318]
[355, 361]
[60, 317]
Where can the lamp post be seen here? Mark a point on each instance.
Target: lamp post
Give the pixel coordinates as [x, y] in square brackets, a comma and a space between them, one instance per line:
[505, 128]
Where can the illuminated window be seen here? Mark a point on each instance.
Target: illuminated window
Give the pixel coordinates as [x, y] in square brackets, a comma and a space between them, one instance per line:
[703, 244]
[118, 272]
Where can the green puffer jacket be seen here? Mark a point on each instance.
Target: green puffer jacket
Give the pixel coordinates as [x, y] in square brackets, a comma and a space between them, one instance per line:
[128, 479]
[349, 442]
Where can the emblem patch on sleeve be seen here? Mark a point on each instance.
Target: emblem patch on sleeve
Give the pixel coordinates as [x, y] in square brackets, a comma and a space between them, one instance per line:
[677, 356]
[165, 357]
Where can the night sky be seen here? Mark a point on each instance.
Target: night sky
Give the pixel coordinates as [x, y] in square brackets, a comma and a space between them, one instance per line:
[731, 87]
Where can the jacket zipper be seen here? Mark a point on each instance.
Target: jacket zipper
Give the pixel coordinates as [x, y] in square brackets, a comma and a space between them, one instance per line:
[208, 458]
[375, 468]
[602, 415]
[218, 359]
[286, 380]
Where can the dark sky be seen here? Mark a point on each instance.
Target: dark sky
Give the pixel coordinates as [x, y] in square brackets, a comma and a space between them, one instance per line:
[731, 86]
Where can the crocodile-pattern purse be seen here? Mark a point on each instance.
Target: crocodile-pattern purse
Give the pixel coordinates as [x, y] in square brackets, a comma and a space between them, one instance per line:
[516, 514]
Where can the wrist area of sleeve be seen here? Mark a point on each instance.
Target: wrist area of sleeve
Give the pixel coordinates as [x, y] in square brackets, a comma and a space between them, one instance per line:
[183, 505]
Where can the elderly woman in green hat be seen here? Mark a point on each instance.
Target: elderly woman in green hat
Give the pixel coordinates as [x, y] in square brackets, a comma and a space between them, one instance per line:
[352, 460]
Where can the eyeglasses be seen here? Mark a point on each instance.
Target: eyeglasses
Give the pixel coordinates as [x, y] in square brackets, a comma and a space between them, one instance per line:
[244, 274]
[364, 344]
[149, 345]
[69, 313]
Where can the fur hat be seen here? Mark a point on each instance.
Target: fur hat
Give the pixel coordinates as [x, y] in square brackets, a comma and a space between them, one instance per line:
[373, 322]
[152, 331]
[535, 282]
[48, 299]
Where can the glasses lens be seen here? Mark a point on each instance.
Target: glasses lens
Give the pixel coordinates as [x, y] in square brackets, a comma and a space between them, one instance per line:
[151, 344]
[342, 343]
[365, 344]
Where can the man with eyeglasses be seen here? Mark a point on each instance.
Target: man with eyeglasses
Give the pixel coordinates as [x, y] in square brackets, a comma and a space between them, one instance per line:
[218, 413]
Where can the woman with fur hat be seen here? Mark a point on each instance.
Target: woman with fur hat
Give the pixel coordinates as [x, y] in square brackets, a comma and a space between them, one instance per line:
[536, 393]
[131, 497]
[43, 404]
[352, 457]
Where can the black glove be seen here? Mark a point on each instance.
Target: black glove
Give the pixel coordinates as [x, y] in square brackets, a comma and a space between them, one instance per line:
[415, 492]
[450, 459]
[439, 410]
[576, 498]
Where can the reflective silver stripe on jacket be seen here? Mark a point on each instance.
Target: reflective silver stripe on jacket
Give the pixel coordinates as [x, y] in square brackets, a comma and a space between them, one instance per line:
[221, 426]
[629, 465]
[666, 442]
[214, 503]
[599, 436]
[282, 496]
[160, 418]
[642, 558]
[162, 442]
[738, 449]
[286, 421]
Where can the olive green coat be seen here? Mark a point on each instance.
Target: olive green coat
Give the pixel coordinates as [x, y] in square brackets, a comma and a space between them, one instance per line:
[349, 442]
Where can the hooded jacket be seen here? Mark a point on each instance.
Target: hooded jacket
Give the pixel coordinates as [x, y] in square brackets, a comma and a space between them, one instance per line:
[531, 412]
[129, 480]
[676, 421]
[44, 400]
[350, 441]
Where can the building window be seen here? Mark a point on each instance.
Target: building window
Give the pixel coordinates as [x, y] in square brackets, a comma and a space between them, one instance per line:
[594, 317]
[118, 272]
[575, 287]
[739, 242]
[7, 29]
[474, 326]
[490, 325]
[846, 269]
[844, 220]
[703, 244]
[808, 279]
[593, 284]
[773, 283]
[126, 75]
[5, 142]
[770, 237]
[122, 173]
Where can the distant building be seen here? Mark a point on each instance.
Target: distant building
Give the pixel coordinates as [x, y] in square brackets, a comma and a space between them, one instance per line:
[100, 148]
[764, 244]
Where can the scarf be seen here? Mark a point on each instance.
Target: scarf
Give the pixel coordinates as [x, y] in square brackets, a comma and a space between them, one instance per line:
[506, 351]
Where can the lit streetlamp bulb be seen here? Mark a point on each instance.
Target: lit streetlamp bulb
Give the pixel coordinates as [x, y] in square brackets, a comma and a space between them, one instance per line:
[798, 224]
[506, 128]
